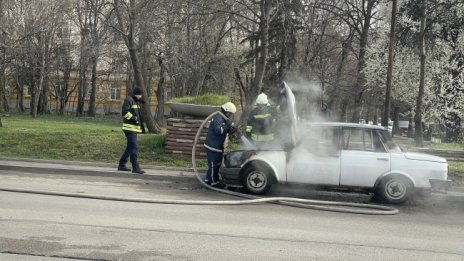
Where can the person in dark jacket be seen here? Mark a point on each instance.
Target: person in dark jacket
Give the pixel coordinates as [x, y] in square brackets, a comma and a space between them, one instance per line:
[261, 122]
[325, 112]
[214, 143]
[132, 125]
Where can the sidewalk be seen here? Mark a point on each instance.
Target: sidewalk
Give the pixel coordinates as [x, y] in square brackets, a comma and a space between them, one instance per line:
[89, 168]
[456, 194]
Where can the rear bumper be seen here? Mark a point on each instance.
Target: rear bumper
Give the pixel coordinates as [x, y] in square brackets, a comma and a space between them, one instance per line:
[440, 185]
[231, 176]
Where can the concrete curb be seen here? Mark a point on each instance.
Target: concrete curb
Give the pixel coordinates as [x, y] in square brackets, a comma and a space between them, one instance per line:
[93, 164]
[92, 169]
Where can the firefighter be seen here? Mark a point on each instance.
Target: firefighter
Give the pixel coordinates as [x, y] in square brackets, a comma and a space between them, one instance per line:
[214, 143]
[132, 125]
[261, 122]
[325, 112]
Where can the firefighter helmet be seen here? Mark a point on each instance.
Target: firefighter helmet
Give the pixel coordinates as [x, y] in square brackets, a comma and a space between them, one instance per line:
[262, 99]
[229, 107]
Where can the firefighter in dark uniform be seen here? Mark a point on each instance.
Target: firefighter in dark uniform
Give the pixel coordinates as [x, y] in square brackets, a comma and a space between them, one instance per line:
[214, 143]
[261, 122]
[132, 125]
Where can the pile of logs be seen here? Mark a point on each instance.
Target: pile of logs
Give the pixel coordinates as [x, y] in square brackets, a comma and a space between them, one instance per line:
[181, 135]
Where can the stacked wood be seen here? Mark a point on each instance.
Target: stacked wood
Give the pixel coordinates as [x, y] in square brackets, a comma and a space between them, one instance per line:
[181, 135]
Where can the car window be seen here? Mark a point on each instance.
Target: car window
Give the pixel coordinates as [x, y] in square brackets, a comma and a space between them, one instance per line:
[388, 141]
[322, 140]
[377, 142]
[357, 139]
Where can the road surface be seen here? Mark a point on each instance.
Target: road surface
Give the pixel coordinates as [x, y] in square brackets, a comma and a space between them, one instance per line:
[39, 227]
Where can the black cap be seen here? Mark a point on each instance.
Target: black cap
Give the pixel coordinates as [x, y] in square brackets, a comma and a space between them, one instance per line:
[137, 91]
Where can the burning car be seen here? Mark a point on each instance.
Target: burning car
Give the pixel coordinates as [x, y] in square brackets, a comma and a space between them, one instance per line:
[337, 155]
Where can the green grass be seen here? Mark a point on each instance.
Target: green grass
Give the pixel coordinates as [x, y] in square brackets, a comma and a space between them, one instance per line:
[205, 99]
[447, 146]
[98, 139]
[456, 172]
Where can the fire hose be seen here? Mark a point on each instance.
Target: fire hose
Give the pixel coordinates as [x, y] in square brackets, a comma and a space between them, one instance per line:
[334, 206]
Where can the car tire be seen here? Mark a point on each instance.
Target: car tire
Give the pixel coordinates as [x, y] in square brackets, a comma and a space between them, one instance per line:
[394, 189]
[256, 179]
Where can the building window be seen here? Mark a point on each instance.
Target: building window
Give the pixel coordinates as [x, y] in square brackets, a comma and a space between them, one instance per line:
[115, 92]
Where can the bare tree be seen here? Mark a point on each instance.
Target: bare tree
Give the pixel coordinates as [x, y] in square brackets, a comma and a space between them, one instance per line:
[126, 18]
[418, 137]
[98, 33]
[391, 49]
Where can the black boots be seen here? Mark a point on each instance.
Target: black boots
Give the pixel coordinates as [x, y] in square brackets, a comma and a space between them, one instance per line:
[137, 170]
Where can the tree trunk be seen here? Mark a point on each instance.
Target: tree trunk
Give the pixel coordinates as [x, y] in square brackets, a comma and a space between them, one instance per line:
[418, 138]
[152, 126]
[263, 51]
[160, 93]
[93, 90]
[81, 89]
[391, 50]
[396, 119]
[359, 86]
[2, 89]
[38, 88]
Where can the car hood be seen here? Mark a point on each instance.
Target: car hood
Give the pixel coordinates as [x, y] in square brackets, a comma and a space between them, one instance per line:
[423, 157]
[292, 113]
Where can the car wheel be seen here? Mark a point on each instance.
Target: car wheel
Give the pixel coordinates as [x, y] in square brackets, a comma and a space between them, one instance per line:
[394, 189]
[256, 179]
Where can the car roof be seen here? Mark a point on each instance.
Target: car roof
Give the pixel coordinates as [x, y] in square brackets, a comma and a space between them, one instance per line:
[346, 124]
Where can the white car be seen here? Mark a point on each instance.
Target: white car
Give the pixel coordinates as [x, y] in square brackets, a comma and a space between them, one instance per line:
[334, 154]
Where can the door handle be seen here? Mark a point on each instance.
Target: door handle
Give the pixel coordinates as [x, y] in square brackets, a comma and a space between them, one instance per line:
[384, 159]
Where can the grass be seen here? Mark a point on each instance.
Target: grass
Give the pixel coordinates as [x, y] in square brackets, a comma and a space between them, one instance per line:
[456, 172]
[205, 99]
[98, 139]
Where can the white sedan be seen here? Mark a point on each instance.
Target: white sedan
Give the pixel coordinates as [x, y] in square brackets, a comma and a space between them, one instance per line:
[338, 155]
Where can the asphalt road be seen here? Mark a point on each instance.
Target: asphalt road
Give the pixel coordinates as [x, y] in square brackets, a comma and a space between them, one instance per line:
[39, 227]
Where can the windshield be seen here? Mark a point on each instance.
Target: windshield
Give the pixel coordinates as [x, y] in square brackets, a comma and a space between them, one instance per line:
[388, 141]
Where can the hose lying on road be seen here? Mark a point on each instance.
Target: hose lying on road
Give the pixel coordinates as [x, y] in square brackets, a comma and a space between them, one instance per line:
[345, 207]
[334, 206]
[296, 202]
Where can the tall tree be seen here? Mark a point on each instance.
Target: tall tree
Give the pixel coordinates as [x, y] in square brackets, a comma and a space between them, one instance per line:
[126, 14]
[391, 50]
[418, 138]
[98, 32]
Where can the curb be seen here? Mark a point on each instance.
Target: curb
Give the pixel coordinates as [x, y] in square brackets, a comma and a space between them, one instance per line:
[94, 164]
[92, 169]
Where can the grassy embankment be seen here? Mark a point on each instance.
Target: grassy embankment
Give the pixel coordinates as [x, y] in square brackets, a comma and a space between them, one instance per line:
[97, 139]
[205, 99]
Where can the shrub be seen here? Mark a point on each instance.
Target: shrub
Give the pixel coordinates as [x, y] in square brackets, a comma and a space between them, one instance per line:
[204, 99]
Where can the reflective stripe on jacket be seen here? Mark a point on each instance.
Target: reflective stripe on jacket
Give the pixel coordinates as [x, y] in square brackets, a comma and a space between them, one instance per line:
[260, 123]
[132, 118]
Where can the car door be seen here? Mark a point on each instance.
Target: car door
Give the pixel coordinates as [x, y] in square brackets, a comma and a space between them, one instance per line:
[363, 157]
[316, 159]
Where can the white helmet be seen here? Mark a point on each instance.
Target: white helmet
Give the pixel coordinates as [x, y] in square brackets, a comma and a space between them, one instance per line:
[229, 107]
[262, 99]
